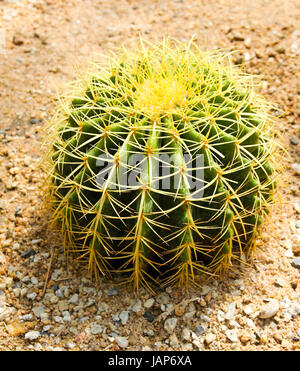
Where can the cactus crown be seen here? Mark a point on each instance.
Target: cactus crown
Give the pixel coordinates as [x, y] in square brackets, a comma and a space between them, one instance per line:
[193, 141]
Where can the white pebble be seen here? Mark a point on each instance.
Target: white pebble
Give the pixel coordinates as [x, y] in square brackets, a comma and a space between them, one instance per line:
[230, 311]
[124, 316]
[232, 335]
[209, 338]
[96, 328]
[186, 334]
[137, 307]
[74, 299]
[31, 295]
[149, 303]
[170, 324]
[122, 341]
[269, 310]
[32, 335]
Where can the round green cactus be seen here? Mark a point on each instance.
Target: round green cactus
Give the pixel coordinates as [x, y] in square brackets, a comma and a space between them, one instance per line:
[162, 165]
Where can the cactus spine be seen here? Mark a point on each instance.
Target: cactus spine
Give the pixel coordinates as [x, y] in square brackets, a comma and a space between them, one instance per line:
[189, 165]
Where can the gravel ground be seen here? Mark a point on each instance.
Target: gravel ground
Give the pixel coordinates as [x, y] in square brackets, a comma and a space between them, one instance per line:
[47, 304]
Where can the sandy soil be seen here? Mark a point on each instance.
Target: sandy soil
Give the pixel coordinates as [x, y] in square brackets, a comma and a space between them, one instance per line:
[40, 43]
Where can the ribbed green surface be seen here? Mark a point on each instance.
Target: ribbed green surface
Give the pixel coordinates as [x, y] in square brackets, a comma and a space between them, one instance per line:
[163, 234]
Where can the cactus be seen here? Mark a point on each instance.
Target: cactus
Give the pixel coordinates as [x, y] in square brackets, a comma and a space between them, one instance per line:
[162, 165]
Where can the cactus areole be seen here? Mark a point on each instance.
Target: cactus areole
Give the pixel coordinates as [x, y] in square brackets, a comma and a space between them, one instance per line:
[161, 165]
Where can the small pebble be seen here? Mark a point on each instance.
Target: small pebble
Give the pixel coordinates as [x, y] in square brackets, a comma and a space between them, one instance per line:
[66, 316]
[209, 338]
[230, 311]
[149, 316]
[74, 299]
[186, 334]
[204, 290]
[53, 299]
[280, 50]
[296, 263]
[179, 310]
[279, 282]
[294, 140]
[18, 210]
[132, 339]
[38, 310]
[70, 345]
[232, 335]
[90, 302]
[28, 253]
[297, 207]
[137, 307]
[31, 295]
[247, 42]
[124, 315]
[170, 324]
[58, 319]
[15, 329]
[296, 168]
[115, 318]
[32, 335]
[4, 313]
[63, 305]
[122, 341]
[269, 310]
[34, 280]
[96, 328]
[149, 332]
[18, 40]
[59, 293]
[199, 330]
[44, 317]
[248, 310]
[163, 298]
[112, 292]
[174, 340]
[26, 317]
[237, 37]
[149, 303]
[247, 56]
[220, 316]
